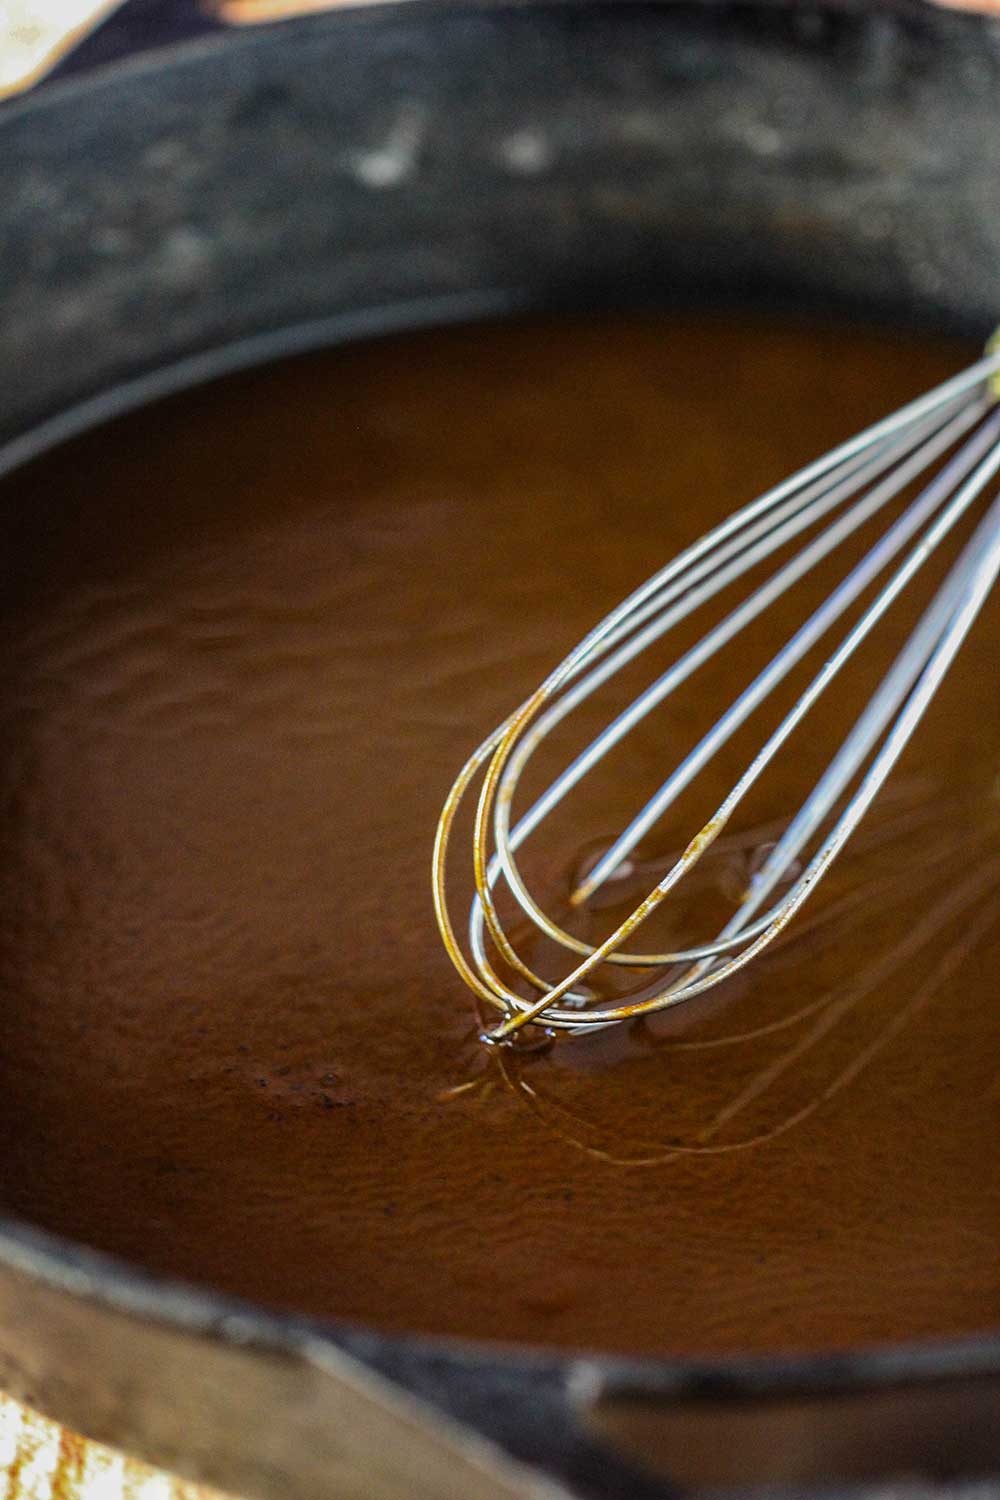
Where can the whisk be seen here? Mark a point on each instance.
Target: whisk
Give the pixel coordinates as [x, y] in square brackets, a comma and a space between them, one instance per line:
[946, 442]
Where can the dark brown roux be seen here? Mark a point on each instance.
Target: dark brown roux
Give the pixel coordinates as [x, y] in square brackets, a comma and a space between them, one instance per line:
[247, 638]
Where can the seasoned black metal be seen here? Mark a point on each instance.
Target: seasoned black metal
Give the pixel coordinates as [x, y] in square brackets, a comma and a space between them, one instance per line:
[237, 197]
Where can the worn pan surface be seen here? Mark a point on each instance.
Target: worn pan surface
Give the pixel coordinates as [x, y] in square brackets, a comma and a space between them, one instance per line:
[219, 202]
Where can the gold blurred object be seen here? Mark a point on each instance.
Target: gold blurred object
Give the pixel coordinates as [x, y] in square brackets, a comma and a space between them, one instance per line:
[980, 7]
[258, 12]
[40, 1460]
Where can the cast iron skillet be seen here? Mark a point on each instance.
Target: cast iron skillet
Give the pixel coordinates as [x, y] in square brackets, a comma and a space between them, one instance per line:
[224, 201]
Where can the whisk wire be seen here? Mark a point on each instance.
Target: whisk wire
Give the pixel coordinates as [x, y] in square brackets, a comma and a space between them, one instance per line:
[903, 529]
[863, 475]
[682, 669]
[837, 602]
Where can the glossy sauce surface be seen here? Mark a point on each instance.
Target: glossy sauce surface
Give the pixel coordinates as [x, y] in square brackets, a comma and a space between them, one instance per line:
[248, 637]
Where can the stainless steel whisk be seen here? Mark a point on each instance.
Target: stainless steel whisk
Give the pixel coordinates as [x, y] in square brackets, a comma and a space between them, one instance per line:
[950, 440]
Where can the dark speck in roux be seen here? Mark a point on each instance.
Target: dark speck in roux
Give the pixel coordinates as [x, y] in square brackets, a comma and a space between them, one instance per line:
[248, 637]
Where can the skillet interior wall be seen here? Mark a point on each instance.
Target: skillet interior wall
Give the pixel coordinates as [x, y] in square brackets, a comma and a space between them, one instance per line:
[816, 156]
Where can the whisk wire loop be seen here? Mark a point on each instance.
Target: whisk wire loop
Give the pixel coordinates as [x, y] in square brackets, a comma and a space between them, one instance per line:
[811, 631]
[839, 493]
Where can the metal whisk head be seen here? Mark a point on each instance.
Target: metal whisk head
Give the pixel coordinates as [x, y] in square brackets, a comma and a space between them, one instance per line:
[945, 446]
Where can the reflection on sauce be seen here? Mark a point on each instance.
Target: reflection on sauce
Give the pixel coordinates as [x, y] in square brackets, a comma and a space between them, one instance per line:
[787, 1067]
[242, 657]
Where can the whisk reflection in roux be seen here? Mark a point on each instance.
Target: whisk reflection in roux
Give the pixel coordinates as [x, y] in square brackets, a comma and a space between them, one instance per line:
[951, 894]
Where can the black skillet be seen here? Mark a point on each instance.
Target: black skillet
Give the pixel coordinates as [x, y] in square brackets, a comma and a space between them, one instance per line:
[206, 204]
